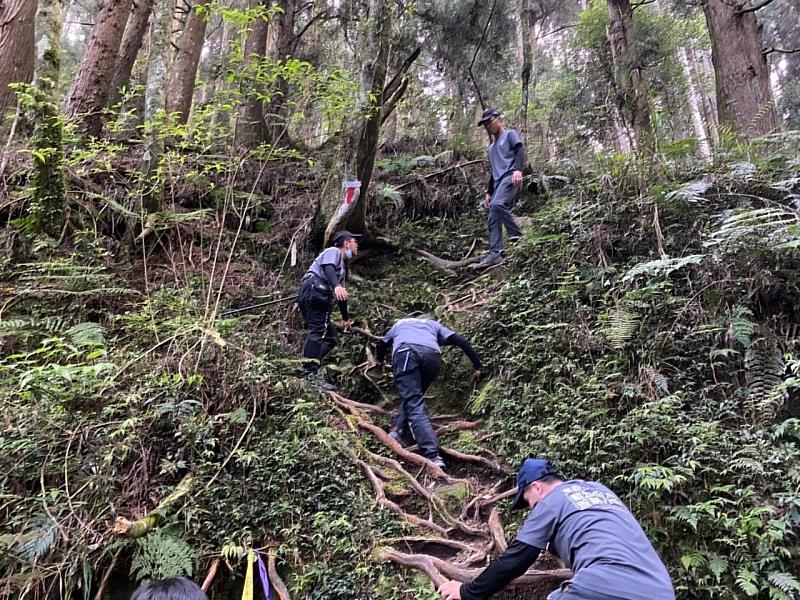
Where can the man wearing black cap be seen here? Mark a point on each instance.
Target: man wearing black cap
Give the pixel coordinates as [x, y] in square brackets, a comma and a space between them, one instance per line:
[323, 282]
[506, 160]
[589, 528]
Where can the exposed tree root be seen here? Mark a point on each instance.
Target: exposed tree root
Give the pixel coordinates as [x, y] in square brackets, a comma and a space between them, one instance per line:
[496, 531]
[439, 571]
[459, 546]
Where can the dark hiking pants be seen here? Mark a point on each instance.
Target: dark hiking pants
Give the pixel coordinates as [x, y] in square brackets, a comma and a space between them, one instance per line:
[315, 300]
[414, 368]
[500, 216]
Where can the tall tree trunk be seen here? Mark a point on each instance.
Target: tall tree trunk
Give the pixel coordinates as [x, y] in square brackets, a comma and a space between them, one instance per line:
[359, 143]
[180, 87]
[251, 129]
[48, 134]
[744, 97]
[632, 90]
[129, 49]
[693, 95]
[279, 48]
[702, 77]
[157, 61]
[16, 50]
[93, 83]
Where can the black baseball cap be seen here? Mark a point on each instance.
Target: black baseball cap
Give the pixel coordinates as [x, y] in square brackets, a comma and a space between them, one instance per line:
[488, 114]
[340, 237]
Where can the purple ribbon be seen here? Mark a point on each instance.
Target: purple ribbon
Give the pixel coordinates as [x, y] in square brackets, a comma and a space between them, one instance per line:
[262, 571]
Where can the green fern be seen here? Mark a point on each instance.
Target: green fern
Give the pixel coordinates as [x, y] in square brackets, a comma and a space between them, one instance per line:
[662, 267]
[619, 327]
[38, 542]
[159, 555]
[765, 368]
[390, 195]
[786, 583]
[86, 334]
[690, 192]
[766, 223]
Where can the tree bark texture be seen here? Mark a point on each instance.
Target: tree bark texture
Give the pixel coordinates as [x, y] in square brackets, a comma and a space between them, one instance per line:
[744, 98]
[703, 78]
[93, 83]
[48, 136]
[279, 47]
[17, 31]
[695, 104]
[129, 49]
[632, 88]
[180, 87]
[251, 129]
[157, 62]
[360, 142]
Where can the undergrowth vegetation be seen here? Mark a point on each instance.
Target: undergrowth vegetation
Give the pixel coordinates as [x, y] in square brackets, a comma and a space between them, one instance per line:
[642, 333]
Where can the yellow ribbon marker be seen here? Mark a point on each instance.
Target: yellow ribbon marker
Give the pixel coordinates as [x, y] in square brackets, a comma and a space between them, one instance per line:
[247, 592]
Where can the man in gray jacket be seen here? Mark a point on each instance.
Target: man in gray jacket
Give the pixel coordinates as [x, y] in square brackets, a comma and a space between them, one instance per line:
[506, 160]
[589, 528]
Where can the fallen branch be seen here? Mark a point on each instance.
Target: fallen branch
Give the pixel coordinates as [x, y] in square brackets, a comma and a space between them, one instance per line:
[363, 332]
[212, 571]
[444, 265]
[104, 582]
[141, 527]
[418, 539]
[275, 579]
[439, 172]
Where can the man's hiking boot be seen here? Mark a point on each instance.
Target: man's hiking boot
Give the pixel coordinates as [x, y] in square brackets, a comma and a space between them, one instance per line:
[401, 438]
[513, 239]
[490, 260]
[319, 382]
[437, 460]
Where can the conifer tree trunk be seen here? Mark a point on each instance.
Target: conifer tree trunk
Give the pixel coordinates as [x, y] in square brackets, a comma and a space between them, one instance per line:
[359, 142]
[48, 135]
[279, 41]
[633, 91]
[702, 75]
[93, 83]
[744, 97]
[16, 50]
[157, 61]
[130, 47]
[180, 87]
[251, 129]
[695, 101]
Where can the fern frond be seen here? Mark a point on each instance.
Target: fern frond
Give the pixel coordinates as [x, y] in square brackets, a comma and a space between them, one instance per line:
[38, 542]
[159, 555]
[690, 192]
[87, 334]
[662, 267]
[785, 582]
[765, 369]
[388, 194]
[619, 327]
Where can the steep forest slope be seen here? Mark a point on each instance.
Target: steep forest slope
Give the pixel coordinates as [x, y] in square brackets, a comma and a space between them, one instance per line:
[642, 333]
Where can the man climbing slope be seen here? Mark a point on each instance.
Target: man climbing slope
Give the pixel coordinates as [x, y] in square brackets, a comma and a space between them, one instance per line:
[323, 282]
[416, 359]
[588, 527]
[506, 160]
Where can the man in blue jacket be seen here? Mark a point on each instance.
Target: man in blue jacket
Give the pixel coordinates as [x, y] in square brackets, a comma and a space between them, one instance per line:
[506, 161]
[589, 528]
[416, 359]
[323, 282]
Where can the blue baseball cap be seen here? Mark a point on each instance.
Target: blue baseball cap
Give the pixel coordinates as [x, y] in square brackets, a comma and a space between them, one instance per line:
[532, 469]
